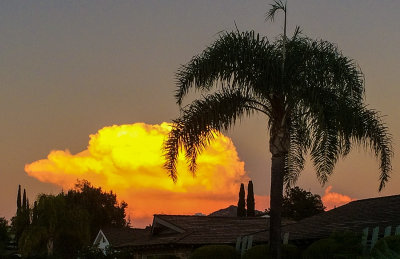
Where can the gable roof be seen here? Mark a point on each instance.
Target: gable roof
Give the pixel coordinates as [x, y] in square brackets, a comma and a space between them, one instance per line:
[198, 230]
[119, 236]
[354, 216]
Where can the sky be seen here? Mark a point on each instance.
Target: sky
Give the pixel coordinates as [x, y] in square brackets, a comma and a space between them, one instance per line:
[69, 69]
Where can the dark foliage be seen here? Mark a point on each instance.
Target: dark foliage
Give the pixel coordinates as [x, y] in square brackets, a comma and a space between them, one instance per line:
[251, 204]
[91, 252]
[102, 207]
[4, 237]
[338, 245]
[387, 247]
[64, 224]
[19, 198]
[299, 204]
[215, 252]
[24, 201]
[21, 220]
[263, 251]
[241, 209]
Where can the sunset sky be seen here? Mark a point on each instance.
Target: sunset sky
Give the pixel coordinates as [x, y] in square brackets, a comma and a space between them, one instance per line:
[73, 72]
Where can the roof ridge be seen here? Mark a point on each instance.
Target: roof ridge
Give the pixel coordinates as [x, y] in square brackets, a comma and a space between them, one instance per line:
[198, 216]
[374, 198]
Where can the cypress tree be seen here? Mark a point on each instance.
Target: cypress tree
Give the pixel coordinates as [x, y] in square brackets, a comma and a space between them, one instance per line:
[19, 199]
[24, 201]
[241, 209]
[250, 201]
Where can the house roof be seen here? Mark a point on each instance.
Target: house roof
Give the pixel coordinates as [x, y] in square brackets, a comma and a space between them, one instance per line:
[198, 230]
[354, 216]
[119, 236]
[231, 211]
[201, 230]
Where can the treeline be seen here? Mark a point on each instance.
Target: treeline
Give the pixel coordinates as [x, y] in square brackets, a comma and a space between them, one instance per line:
[61, 225]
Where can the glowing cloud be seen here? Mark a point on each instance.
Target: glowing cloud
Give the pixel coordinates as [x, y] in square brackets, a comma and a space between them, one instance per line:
[128, 160]
[333, 199]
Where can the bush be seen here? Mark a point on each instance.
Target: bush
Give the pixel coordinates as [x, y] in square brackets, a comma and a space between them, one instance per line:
[215, 252]
[338, 245]
[259, 251]
[162, 257]
[262, 251]
[93, 252]
[387, 247]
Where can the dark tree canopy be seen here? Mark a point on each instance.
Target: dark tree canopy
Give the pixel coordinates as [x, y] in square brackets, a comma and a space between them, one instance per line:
[24, 201]
[4, 237]
[299, 203]
[251, 212]
[69, 221]
[102, 207]
[19, 198]
[21, 220]
[241, 209]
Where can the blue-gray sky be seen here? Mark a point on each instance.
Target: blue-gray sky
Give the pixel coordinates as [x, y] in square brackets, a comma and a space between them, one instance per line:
[69, 68]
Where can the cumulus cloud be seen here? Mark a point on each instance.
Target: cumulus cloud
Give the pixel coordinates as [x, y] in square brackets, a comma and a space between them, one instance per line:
[333, 199]
[128, 160]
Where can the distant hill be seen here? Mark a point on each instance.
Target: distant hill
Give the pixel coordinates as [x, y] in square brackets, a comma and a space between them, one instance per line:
[230, 211]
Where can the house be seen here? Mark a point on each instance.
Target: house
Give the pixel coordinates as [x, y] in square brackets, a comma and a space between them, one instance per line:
[360, 216]
[117, 237]
[179, 235]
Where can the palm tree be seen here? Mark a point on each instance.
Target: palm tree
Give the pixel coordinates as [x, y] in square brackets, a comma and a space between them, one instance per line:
[312, 97]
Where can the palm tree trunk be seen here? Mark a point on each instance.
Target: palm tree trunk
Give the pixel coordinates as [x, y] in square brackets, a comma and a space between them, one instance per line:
[276, 198]
[279, 147]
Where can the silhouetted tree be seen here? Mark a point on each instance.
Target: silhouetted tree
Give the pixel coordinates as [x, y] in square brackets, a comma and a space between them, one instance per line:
[21, 220]
[251, 211]
[241, 208]
[24, 206]
[19, 198]
[65, 223]
[59, 229]
[4, 236]
[34, 213]
[103, 208]
[299, 204]
[311, 94]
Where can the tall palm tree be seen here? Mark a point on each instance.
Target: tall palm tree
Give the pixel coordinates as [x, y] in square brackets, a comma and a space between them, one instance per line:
[313, 105]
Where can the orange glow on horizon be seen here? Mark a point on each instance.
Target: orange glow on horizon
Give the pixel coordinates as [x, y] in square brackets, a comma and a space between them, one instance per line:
[128, 160]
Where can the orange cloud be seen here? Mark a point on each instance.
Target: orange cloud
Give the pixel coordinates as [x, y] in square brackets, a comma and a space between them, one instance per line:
[332, 199]
[128, 160]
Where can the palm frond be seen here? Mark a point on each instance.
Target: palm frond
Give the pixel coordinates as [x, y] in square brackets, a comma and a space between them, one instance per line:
[236, 59]
[338, 121]
[313, 65]
[202, 120]
[300, 142]
[275, 6]
[368, 129]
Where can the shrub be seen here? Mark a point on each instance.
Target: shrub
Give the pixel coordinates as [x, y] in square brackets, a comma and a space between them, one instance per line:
[162, 257]
[262, 251]
[259, 251]
[215, 252]
[387, 247]
[338, 245]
